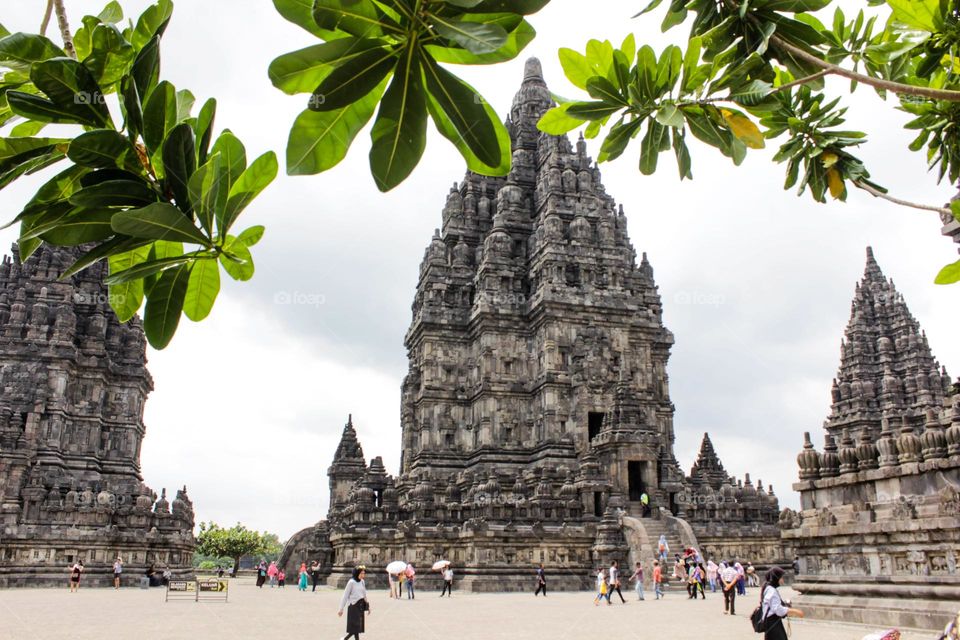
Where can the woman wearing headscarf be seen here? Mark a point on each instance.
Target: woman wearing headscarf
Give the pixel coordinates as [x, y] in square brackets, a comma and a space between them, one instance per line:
[662, 547]
[773, 609]
[355, 601]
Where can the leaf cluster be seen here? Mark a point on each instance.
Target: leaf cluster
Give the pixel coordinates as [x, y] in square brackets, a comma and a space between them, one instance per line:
[235, 542]
[156, 196]
[387, 56]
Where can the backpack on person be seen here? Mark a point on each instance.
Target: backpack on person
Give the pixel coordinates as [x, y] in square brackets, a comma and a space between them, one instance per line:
[757, 620]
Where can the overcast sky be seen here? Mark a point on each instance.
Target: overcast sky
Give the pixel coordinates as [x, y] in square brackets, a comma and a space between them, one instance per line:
[756, 283]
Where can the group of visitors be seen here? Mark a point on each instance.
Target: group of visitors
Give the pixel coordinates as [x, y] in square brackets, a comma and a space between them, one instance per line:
[405, 578]
[609, 581]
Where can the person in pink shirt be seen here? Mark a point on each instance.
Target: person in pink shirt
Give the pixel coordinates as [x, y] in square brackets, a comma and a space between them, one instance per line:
[409, 574]
[272, 572]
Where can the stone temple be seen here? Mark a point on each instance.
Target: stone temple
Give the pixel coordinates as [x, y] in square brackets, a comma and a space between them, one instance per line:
[536, 410]
[878, 534]
[74, 382]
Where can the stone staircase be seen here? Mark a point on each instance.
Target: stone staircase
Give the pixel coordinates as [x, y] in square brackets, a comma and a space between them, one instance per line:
[643, 535]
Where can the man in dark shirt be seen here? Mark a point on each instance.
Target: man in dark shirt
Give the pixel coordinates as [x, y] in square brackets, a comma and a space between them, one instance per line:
[541, 582]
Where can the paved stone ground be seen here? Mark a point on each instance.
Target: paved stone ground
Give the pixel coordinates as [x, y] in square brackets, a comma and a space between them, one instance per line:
[135, 614]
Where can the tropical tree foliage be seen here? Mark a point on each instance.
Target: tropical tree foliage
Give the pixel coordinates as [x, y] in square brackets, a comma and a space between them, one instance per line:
[156, 195]
[389, 53]
[235, 542]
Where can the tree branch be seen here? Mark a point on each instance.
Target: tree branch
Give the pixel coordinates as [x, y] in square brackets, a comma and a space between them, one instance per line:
[65, 29]
[905, 203]
[795, 83]
[46, 18]
[895, 87]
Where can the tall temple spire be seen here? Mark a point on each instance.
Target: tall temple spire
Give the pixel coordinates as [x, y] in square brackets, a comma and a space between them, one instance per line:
[708, 469]
[531, 101]
[886, 367]
[349, 447]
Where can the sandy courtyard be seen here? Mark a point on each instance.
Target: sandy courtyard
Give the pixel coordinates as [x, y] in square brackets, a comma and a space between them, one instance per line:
[135, 614]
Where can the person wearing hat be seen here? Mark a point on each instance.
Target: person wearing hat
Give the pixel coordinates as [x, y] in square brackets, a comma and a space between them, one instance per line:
[355, 602]
[773, 609]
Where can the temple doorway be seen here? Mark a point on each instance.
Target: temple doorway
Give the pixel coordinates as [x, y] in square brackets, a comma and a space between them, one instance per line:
[635, 479]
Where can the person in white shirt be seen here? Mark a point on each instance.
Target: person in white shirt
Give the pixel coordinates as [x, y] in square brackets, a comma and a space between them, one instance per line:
[447, 582]
[355, 601]
[773, 609]
[117, 571]
[728, 579]
[615, 581]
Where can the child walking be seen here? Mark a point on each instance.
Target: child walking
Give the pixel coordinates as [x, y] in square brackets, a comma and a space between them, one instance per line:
[657, 580]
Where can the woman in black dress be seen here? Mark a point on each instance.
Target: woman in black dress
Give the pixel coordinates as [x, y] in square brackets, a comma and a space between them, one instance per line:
[355, 601]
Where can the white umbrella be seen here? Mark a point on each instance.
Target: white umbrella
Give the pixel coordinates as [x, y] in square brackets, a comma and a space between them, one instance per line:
[440, 564]
[396, 567]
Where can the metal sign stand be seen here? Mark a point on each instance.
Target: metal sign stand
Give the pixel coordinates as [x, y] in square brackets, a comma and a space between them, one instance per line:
[212, 590]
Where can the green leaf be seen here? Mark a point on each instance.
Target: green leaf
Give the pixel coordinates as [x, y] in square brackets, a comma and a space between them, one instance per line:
[251, 235]
[320, 140]
[159, 115]
[557, 121]
[208, 188]
[114, 193]
[112, 13]
[955, 209]
[602, 89]
[251, 182]
[126, 297]
[669, 116]
[918, 14]
[202, 289]
[80, 227]
[650, 147]
[949, 274]
[399, 133]
[14, 151]
[576, 67]
[522, 7]
[683, 155]
[34, 107]
[475, 37]
[179, 162]
[59, 187]
[356, 17]
[617, 140]
[164, 304]
[241, 266]
[203, 131]
[592, 110]
[115, 246]
[353, 79]
[102, 148]
[159, 221]
[517, 41]
[27, 129]
[300, 13]
[464, 108]
[146, 69]
[152, 23]
[146, 271]
[303, 70]
[133, 113]
[19, 51]
[71, 87]
[449, 131]
[111, 55]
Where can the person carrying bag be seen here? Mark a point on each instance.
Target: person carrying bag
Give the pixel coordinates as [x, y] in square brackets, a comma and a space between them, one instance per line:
[768, 617]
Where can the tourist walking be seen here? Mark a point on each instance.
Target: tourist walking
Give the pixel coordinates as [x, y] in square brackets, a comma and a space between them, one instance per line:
[728, 580]
[354, 600]
[645, 505]
[712, 570]
[741, 579]
[693, 581]
[281, 578]
[75, 572]
[303, 574]
[410, 574]
[638, 578]
[602, 588]
[272, 572]
[392, 581]
[753, 580]
[773, 609]
[315, 573]
[117, 571]
[261, 574]
[541, 582]
[663, 548]
[447, 581]
[657, 580]
[615, 582]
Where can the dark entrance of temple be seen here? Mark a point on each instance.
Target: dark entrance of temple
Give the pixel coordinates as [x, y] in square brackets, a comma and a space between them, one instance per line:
[635, 479]
[594, 423]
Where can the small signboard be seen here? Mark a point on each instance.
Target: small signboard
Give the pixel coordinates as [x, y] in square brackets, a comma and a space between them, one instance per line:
[181, 590]
[208, 590]
[212, 590]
